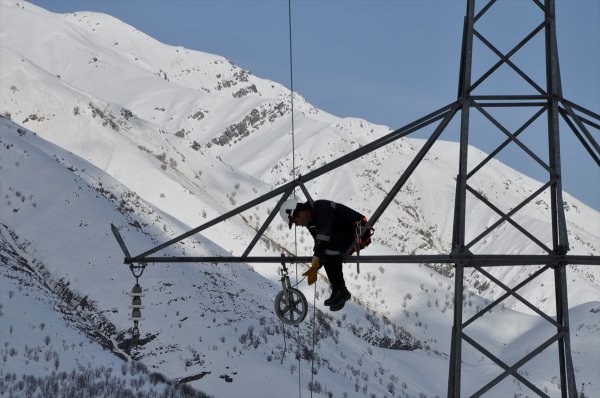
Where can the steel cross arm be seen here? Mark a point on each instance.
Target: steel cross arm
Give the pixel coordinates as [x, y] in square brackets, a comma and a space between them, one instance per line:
[581, 109]
[120, 240]
[589, 122]
[585, 111]
[483, 260]
[585, 144]
[406, 175]
[412, 166]
[507, 97]
[585, 131]
[510, 104]
[370, 147]
[267, 222]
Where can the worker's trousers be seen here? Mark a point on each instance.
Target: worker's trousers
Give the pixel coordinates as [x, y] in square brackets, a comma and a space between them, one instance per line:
[332, 260]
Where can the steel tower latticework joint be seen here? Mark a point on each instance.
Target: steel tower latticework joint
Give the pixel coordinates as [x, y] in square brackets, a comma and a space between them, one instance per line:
[471, 101]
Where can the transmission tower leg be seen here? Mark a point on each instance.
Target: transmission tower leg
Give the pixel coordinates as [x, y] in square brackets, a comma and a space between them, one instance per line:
[454, 373]
[559, 228]
[567, 373]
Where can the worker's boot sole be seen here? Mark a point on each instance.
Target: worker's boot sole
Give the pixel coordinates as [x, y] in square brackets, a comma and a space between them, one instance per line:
[340, 302]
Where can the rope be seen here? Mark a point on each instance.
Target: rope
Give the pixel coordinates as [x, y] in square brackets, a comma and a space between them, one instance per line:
[284, 342]
[292, 91]
[293, 165]
[295, 230]
[298, 282]
[299, 368]
[312, 364]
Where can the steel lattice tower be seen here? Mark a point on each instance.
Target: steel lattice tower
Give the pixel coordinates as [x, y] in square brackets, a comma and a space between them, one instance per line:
[549, 100]
[545, 99]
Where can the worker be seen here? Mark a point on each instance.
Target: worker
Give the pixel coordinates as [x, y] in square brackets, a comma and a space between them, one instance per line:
[335, 229]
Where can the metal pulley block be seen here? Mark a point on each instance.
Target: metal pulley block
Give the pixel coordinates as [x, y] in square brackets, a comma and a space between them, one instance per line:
[291, 306]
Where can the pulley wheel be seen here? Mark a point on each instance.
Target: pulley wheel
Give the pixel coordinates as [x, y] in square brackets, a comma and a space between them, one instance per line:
[292, 309]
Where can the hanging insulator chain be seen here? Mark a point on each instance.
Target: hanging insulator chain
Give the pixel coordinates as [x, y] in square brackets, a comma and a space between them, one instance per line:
[135, 334]
[136, 302]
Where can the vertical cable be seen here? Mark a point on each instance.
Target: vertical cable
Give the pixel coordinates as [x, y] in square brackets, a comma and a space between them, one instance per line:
[312, 362]
[293, 164]
[292, 114]
[292, 90]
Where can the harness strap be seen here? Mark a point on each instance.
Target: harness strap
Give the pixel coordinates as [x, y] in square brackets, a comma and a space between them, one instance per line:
[357, 240]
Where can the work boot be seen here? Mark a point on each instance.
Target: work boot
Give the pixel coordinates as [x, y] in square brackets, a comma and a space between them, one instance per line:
[332, 298]
[339, 298]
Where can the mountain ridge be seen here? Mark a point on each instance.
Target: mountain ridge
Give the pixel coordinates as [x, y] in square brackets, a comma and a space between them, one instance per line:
[144, 173]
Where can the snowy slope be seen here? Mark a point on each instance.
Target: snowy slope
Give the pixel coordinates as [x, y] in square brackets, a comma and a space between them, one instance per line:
[158, 139]
[54, 329]
[199, 318]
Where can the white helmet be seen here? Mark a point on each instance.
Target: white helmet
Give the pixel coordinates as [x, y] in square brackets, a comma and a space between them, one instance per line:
[286, 211]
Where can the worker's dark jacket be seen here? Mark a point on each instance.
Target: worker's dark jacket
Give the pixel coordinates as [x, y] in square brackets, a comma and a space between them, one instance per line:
[333, 227]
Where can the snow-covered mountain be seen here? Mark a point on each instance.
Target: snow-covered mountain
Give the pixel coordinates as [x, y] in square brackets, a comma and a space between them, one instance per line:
[102, 124]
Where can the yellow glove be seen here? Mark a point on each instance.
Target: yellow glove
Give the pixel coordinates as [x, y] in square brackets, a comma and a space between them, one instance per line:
[311, 274]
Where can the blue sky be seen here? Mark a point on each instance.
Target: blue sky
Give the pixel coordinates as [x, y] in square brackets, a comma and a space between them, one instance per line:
[387, 61]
